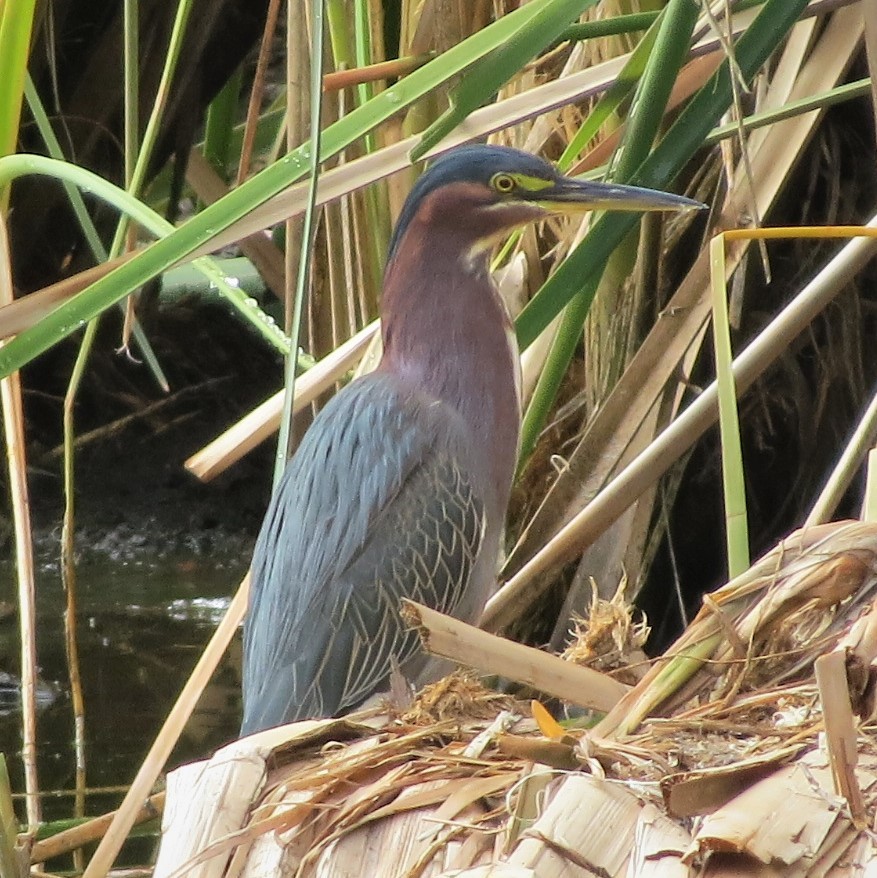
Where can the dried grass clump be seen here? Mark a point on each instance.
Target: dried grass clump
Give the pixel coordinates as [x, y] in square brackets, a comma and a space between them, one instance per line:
[611, 638]
[460, 696]
[747, 749]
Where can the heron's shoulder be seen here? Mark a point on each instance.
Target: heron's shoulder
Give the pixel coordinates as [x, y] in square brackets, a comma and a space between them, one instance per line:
[382, 391]
[384, 405]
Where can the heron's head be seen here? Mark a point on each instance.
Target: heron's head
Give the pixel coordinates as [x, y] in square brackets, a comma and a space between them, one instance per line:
[478, 193]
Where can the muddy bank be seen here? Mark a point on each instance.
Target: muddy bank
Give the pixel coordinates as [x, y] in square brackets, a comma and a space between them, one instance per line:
[134, 499]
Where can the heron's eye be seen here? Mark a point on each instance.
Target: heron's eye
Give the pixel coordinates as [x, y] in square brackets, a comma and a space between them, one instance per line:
[503, 183]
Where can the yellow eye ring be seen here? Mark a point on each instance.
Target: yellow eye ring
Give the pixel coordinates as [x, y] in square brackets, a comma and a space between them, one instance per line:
[503, 183]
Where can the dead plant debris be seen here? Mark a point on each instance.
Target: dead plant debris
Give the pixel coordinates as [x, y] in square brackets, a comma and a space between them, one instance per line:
[715, 763]
[459, 696]
[611, 638]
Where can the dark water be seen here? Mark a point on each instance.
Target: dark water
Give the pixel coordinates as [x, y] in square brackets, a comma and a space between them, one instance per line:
[142, 625]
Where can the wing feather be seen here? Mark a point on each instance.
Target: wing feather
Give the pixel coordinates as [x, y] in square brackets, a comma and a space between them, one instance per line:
[378, 504]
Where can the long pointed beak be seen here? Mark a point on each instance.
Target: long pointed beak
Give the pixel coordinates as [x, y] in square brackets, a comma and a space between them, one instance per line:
[577, 196]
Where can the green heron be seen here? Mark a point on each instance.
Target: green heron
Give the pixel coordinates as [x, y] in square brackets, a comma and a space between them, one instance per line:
[400, 486]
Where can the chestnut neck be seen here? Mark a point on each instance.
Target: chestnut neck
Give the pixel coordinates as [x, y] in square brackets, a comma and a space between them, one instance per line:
[447, 333]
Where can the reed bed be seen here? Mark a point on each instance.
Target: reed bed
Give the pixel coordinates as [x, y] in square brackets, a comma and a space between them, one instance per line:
[748, 745]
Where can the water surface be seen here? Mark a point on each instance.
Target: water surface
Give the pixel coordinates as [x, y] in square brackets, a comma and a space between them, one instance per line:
[141, 625]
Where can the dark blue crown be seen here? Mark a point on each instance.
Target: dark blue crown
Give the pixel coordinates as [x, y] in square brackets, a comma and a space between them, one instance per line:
[472, 164]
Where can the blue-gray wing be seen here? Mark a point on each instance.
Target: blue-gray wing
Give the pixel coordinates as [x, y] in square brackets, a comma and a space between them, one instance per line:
[377, 504]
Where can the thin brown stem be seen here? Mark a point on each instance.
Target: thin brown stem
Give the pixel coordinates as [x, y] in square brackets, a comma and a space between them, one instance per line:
[68, 578]
[258, 90]
[13, 425]
[339, 79]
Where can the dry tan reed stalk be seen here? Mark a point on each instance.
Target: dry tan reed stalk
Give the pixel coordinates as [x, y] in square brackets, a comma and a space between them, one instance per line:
[450, 638]
[300, 58]
[168, 736]
[340, 79]
[21, 314]
[870, 15]
[844, 471]
[13, 426]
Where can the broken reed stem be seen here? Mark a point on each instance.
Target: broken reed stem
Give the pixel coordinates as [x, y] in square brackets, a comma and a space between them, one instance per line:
[77, 836]
[13, 422]
[264, 420]
[452, 639]
[396, 67]
[869, 504]
[168, 736]
[840, 731]
[13, 426]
